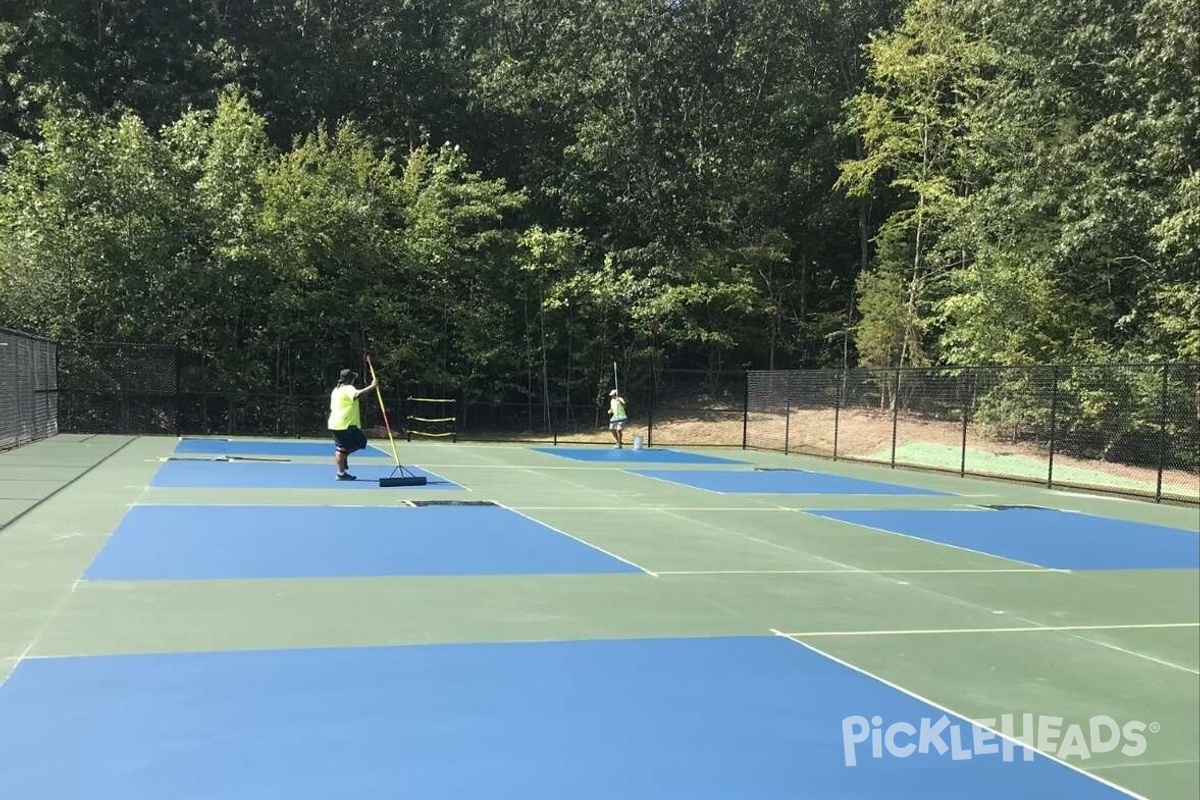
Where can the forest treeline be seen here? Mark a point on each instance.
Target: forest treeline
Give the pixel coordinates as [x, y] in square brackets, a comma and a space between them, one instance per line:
[502, 195]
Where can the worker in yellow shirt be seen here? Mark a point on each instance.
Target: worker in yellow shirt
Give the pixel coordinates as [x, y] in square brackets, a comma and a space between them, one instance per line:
[618, 418]
[345, 422]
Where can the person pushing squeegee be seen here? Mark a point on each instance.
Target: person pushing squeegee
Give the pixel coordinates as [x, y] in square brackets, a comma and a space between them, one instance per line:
[345, 423]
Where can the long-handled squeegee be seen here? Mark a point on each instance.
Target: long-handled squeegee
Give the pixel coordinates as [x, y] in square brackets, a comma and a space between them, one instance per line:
[406, 477]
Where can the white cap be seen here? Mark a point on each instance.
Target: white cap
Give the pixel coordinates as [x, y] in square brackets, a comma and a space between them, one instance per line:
[613, 393]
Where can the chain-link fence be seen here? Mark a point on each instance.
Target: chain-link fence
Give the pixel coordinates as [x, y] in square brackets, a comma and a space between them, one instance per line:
[1132, 429]
[28, 388]
[666, 406]
[114, 387]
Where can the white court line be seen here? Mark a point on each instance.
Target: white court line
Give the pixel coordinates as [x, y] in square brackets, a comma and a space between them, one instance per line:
[653, 508]
[534, 467]
[676, 484]
[1107, 645]
[1136, 653]
[1096, 497]
[581, 541]
[951, 597]
[437, 475]
[269, 505]
[1068, 630]
[813, 513]
[960, 506]
[1029, 629]
[775, 509]
[1028, 571]
[921, 698]
[1148, 764]
[62, 601]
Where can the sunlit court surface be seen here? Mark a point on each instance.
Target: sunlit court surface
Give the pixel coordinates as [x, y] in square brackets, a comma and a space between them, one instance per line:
[219, 618]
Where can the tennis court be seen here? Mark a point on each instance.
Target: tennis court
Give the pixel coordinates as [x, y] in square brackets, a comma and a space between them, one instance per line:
[219, 618]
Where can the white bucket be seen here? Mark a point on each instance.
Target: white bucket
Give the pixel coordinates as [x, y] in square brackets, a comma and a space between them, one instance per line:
[637, 443]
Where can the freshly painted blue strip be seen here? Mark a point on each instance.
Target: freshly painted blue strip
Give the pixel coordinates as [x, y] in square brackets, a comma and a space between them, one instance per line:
[242, 542]
[677, 719]
[627, 455]
[1046, 537]
[778, 482]
[282, 475]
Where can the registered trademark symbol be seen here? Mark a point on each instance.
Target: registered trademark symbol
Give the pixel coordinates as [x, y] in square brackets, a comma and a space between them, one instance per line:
[1155, 727]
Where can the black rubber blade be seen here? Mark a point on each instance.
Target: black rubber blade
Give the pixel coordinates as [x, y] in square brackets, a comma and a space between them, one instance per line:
[417, 480]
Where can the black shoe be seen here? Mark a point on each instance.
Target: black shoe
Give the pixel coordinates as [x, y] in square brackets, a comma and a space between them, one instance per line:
[346, 476]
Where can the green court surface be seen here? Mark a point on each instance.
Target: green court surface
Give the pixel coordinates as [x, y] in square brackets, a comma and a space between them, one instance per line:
[969, 631]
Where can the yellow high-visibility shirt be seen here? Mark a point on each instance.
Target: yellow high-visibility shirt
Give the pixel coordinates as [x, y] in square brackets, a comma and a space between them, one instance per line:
[343, 409]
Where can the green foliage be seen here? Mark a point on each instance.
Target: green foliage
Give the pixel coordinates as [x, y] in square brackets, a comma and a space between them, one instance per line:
[93, 220]
[1045, 160]
[705, 183]
[914, 133]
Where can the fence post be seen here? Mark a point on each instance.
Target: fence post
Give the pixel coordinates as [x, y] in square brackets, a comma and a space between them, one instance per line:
[966, 415]
[838, 397]
[291, 401]
[1053, 425]
[402, 413]
[58, 392]
[16, 383]
[650, 408]
[178, 391]
[746, 409]
[1162, 433]
[787, 419]
[126, 420]
[895, 414]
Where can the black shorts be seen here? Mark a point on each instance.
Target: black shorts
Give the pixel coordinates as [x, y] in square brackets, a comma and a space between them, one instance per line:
[349, 440]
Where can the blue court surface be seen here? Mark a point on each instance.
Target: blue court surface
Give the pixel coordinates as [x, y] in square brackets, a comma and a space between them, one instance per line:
[1043, 537]
[239, 542]
[686, 719]
[282, 475]
[777, 482]
[628, 455]
[258, 447]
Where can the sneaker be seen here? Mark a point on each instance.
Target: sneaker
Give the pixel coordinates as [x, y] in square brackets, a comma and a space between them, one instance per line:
[346, 476]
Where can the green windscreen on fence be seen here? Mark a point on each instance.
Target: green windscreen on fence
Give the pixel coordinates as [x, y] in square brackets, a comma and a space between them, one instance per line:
[28, 389]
